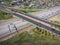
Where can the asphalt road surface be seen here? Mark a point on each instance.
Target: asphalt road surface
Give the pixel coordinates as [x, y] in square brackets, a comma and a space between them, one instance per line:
[10, 28]
[47, 13]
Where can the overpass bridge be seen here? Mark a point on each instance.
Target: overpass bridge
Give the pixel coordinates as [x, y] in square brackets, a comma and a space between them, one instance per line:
[36, 21]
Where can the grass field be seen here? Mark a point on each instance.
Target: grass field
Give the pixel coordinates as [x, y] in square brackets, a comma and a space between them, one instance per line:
[55, 19]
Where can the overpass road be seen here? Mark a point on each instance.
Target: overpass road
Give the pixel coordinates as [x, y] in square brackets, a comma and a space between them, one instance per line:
[38, 22]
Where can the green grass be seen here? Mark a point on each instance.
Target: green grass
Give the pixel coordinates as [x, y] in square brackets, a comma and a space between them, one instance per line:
[26, 10]
[4, 15]
[35, 36]
[30, 10]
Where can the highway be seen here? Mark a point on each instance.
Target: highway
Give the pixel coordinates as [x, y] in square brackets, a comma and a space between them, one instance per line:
[47, 13]
[36, 21]
[13, 27]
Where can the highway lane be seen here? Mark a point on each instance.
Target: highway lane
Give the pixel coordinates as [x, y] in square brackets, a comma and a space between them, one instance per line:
[33, 20]
[4, 30]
